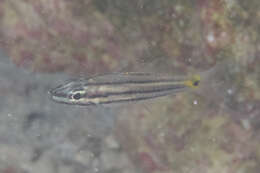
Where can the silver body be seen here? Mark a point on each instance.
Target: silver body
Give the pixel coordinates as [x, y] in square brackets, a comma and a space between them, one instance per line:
[117, 88]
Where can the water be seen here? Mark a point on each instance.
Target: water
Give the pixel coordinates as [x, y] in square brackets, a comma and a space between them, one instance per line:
[214, 129]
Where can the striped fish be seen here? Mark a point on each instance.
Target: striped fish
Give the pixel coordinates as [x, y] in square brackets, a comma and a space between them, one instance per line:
[120, 87]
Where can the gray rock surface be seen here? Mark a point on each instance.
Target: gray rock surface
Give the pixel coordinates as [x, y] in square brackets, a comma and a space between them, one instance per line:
[38, 135]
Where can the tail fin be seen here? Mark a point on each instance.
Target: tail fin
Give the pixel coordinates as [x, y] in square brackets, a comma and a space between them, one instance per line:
[217, 81]
[193, 82]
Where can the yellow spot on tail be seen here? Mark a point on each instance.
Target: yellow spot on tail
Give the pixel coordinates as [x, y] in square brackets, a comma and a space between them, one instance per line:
[193, 82]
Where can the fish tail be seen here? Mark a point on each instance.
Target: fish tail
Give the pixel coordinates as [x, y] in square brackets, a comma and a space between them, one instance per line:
[193, 82]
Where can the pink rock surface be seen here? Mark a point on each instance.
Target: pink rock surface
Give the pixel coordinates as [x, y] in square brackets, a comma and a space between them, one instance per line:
[57, 35]
[215, 129]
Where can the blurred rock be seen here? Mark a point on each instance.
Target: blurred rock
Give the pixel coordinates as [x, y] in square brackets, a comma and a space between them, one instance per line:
[213, 129]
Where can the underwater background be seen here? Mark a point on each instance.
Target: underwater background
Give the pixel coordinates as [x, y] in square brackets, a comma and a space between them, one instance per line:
[215, 128]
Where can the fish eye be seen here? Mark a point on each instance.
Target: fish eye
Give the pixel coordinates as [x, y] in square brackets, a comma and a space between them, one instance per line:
[76, 96]
[196, 83]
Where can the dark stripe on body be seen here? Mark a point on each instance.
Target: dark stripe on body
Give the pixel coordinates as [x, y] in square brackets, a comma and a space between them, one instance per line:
[134, 99]
[132, 92]
[134, 81]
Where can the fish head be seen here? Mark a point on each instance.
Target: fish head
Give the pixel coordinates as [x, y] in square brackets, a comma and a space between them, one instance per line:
[71, 92]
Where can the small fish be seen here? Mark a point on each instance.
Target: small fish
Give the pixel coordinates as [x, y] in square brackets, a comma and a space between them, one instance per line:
[120, 87]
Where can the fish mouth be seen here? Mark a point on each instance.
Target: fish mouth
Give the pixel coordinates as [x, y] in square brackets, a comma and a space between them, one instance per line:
[58, 94]
[58, 99]
[51, 93]
[60, 90]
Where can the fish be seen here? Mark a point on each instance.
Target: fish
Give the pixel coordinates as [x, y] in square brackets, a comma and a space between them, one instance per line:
[120, 88]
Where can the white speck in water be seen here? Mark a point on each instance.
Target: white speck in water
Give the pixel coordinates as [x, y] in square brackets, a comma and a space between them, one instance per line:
[181, 23]
[195, 102]
[162, 134]
[92, 155]
[249, 107]
[213, 139]
[96, 169]
[230, 91]
[153, 43]
[111, 142]
[246, 124]
[173, 15]
[9, 115]
[96, 164]
[223, 34]
[210, 38]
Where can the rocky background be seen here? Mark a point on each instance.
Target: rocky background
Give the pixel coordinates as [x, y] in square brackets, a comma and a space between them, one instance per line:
[213, 129]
